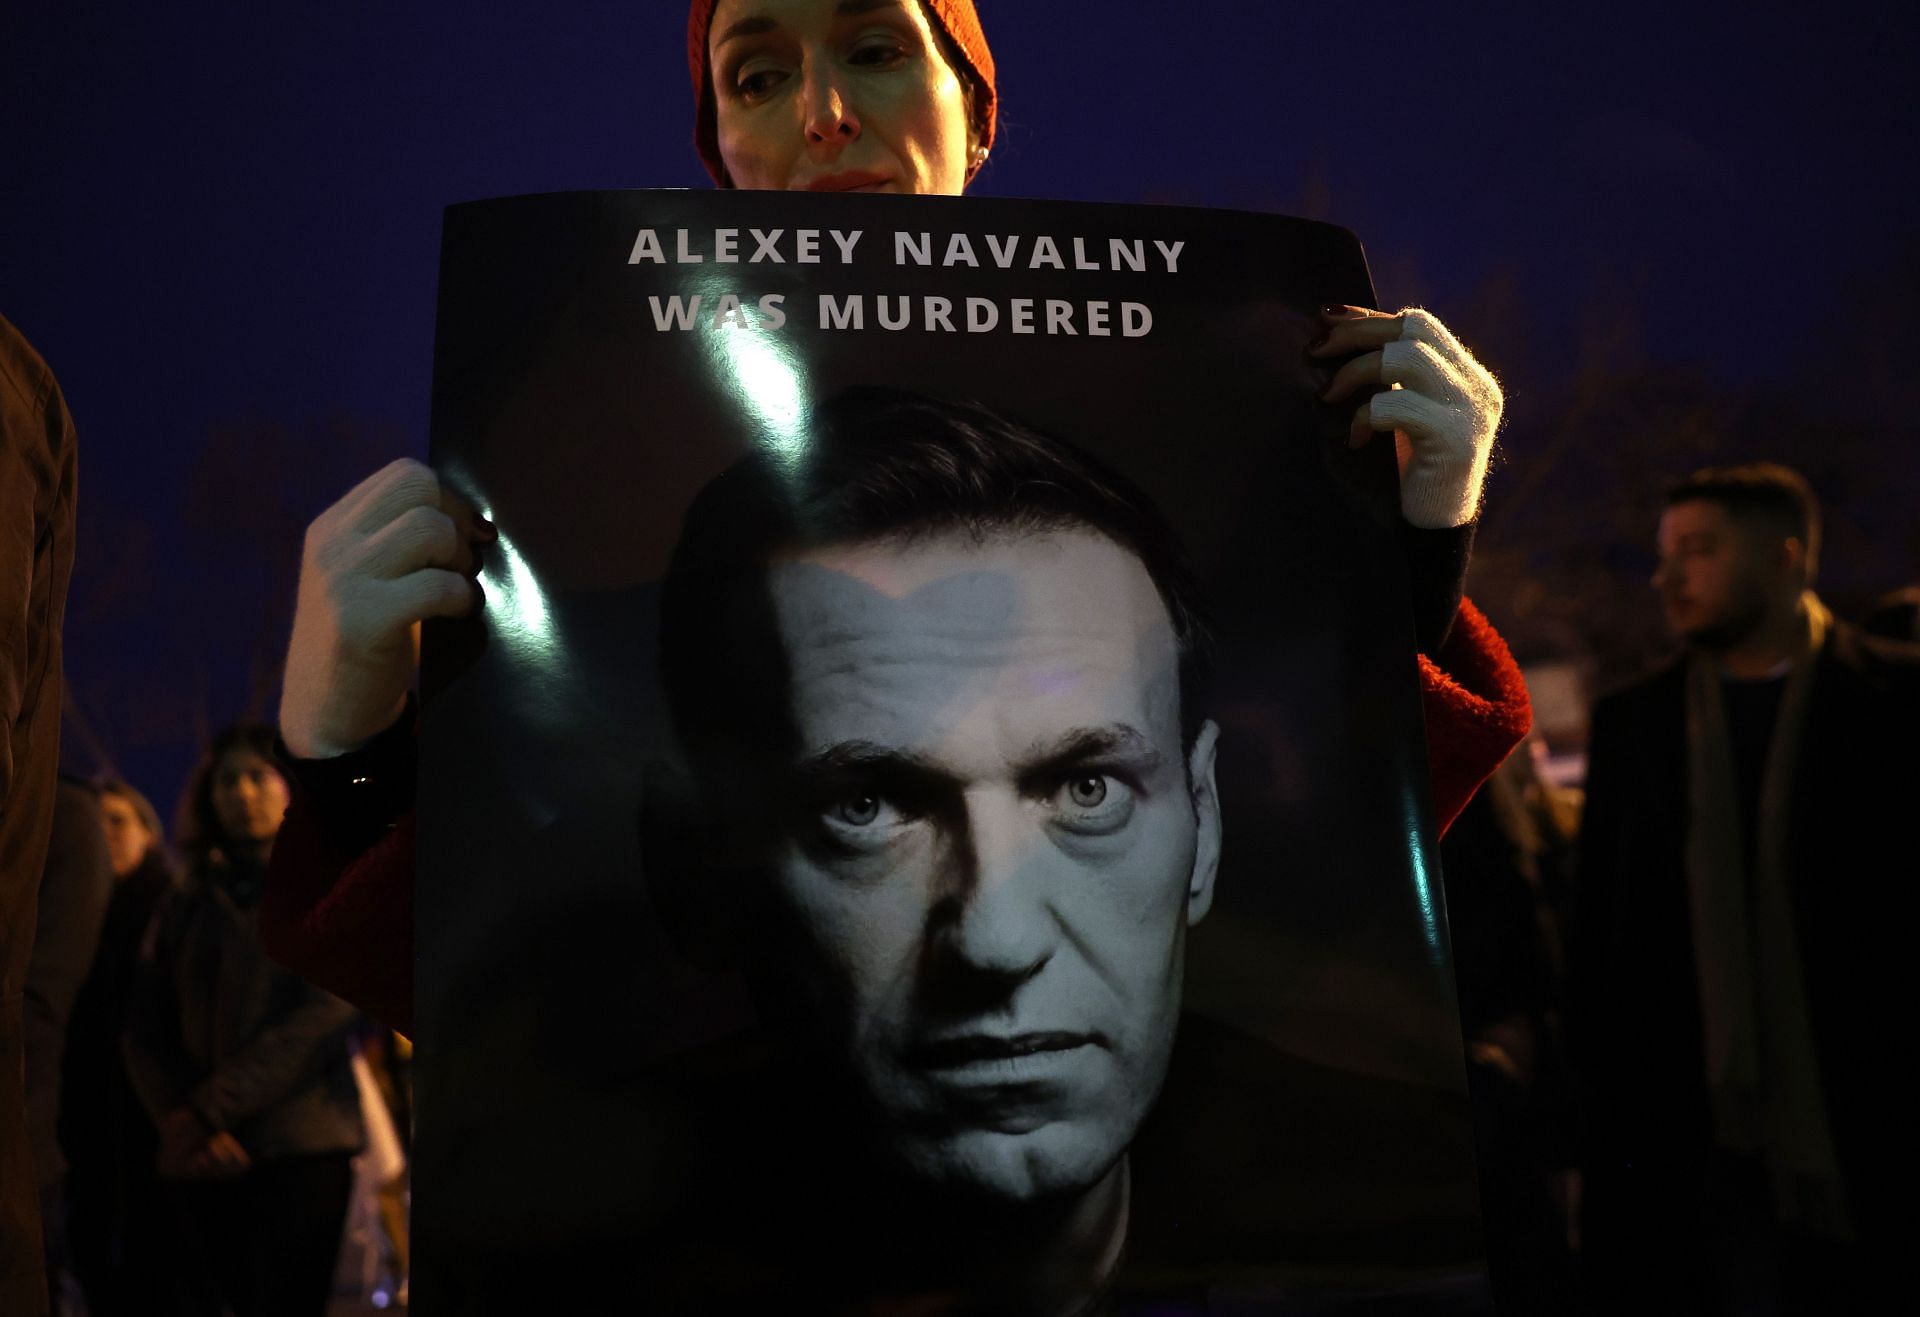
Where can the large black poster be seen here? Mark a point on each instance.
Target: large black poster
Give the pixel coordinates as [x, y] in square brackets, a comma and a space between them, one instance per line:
[933, 809]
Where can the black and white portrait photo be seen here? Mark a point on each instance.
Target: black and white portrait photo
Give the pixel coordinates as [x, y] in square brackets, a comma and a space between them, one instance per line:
[947, 704]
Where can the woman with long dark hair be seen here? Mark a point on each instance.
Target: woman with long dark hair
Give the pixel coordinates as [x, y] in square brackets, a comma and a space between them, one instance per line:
[243, 1066]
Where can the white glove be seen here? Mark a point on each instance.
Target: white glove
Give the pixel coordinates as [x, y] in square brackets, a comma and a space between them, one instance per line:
[1443, 406]
[394, 551]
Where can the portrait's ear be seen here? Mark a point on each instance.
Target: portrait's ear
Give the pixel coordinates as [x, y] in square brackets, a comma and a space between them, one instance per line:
[1206, 814]
[695, 897]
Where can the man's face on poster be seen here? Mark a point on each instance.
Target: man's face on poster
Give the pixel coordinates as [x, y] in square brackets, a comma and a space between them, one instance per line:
[999, 842]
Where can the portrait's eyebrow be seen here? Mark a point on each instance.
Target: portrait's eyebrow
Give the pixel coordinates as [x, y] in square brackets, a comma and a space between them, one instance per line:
[754, 24]
[1118, 743]
[850, 758]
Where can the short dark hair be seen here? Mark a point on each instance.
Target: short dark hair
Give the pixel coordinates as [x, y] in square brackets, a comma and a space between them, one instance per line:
[1775, 498]
[880, 464]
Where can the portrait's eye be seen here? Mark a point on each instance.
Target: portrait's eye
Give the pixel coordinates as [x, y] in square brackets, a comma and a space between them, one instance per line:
[860, 819]
[1088, 792]
[1092, 804]
[856, 811]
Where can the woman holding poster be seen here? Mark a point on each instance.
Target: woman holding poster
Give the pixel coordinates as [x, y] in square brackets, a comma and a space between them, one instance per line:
[887, 96]
[826, 97]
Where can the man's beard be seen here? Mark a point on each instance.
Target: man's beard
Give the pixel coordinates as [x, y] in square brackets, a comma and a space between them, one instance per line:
[1740, 624]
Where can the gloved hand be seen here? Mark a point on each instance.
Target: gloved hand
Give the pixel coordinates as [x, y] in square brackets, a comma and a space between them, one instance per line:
[1443, 413]
[396, 550]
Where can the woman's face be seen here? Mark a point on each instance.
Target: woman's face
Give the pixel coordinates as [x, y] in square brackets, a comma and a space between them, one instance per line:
[837, 95]
[128, 840]
[249, 796]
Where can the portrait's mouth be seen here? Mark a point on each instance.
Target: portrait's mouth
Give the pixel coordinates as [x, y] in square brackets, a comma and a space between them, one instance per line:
[998, 1056]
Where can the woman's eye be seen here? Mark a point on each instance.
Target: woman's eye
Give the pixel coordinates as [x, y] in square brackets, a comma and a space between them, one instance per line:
[755, 84]
[877, 54]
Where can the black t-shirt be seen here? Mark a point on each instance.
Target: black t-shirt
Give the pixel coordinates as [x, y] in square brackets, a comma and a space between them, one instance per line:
[1753, 708]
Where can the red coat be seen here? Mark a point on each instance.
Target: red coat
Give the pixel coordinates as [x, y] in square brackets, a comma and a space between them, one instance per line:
[346, 922]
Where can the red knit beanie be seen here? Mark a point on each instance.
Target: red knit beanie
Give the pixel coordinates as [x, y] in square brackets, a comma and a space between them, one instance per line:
[954, 19]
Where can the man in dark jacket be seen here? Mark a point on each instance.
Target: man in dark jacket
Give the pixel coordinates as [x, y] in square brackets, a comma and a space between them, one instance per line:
[1743, 894]
[37, 478]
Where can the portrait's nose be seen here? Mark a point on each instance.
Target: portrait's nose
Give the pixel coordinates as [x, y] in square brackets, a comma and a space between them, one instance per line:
[831, 120]
[1000, 923]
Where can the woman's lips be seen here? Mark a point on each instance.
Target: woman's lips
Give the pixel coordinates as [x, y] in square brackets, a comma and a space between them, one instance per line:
[847, 180]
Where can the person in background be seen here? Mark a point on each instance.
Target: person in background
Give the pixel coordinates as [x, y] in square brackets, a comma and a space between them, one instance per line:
[119, 1235]
[243, 1067]
[136, 845]
[1508, 862]
[73, 901]
[1895, 616]
[38, 479]
[1744, 920]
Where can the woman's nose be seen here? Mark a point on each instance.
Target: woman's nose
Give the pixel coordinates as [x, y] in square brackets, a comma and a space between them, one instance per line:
[831, 119]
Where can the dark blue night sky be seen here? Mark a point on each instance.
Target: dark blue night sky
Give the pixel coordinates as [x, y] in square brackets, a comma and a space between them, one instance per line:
[219, 223]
